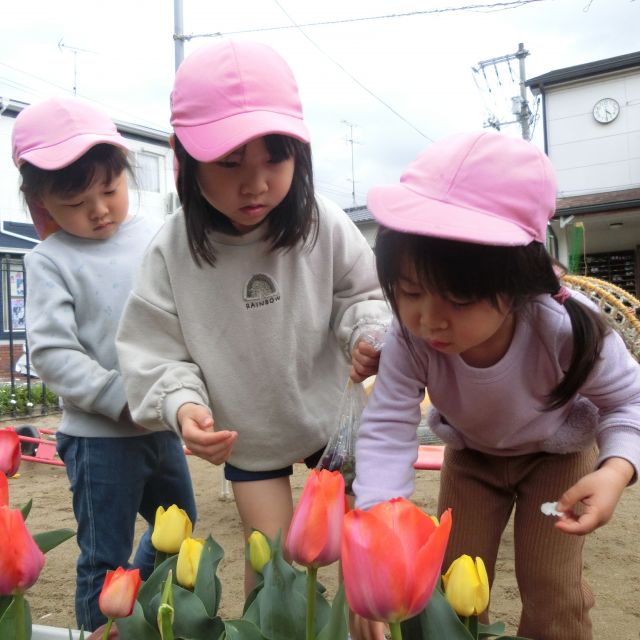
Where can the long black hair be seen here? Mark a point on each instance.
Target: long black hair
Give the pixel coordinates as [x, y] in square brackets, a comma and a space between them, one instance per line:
[294, 220]
[75, 177]
[475, 272]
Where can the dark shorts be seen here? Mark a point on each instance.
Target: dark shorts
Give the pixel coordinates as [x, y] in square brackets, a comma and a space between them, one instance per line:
[234, 474]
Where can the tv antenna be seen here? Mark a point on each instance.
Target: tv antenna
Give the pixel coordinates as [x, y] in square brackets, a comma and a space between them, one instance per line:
[351, 141]
[75, 50]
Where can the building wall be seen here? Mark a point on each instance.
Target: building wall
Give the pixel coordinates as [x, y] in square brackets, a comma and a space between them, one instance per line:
[590, 157]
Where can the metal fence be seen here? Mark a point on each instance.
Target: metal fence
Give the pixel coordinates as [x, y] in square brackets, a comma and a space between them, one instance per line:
[22, 394]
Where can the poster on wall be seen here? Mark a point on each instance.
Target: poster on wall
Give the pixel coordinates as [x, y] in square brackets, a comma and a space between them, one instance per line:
[17, 314]
[17, 283]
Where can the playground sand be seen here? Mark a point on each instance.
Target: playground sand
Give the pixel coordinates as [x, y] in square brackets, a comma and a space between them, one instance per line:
[612, 556]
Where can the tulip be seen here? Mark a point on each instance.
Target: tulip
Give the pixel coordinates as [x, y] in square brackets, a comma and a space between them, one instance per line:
[259, 551]
[316, 527]
[4, 490]
[188, 562]
[171, 527]
[119, 592]
[391, 560]
[21, 560]
[9, 452]
[466, 586]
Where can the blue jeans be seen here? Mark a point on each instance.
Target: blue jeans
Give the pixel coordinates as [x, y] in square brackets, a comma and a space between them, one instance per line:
[112, 480]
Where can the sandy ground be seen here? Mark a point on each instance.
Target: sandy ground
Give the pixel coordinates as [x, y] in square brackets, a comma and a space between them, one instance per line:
[612, 556]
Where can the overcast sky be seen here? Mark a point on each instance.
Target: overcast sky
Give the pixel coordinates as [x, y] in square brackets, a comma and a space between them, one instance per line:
[399, 81]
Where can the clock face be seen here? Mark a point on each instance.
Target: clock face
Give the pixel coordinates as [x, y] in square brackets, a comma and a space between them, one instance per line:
[606, 110]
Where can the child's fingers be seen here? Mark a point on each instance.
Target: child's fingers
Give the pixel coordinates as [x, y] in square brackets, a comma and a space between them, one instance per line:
[578, 525]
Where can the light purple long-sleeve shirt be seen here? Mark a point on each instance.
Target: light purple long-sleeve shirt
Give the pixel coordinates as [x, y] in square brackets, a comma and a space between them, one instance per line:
[498, 409]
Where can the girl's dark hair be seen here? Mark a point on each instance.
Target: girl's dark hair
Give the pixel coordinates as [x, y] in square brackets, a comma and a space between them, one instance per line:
[293, 220]
[465, 271]
[75, 177]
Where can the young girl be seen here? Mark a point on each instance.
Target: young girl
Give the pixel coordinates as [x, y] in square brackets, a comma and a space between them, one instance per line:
[251, 301]
[523, 376]
[73, 164]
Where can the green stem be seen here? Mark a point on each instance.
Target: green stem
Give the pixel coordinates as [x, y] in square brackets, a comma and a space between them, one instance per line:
[396, 631]
[312, 572]
[21, 629]
[105, 633]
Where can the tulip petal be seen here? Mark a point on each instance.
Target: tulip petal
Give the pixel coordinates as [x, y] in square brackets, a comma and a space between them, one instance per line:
[428, 564]
[119, 592]
[4, 490]
[374, 569]
[10, 455]
[21, 560]
[482, 598]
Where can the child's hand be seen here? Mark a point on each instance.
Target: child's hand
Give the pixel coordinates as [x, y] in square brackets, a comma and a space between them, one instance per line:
[362, 629]
[364, 361]
[599, 493]
[198, 434]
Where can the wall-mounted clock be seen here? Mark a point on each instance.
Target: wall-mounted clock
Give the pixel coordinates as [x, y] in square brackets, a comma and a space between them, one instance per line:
[606, 110]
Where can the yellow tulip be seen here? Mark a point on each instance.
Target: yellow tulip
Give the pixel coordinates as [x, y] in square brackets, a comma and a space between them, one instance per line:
[466, 586]
[259, 551]
[188, 562]
[170, 529]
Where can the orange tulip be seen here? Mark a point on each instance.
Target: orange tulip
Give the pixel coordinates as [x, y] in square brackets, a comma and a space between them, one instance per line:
[21, 560]
[316, 528]
[9, 452]
[391, 559]
[119, 592]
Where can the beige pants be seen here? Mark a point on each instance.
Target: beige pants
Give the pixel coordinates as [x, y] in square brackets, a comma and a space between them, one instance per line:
[482, 491]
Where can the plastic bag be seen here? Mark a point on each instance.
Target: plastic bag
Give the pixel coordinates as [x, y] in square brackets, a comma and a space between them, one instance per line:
[340, 454]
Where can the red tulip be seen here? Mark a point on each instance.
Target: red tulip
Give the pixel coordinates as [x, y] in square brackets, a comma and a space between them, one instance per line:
[316, 528]
[9, 452]
[21, 560]
[391, 559]
[119, 592]
[4, 490]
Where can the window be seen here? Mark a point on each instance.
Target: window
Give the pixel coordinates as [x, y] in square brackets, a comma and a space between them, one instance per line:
[12, 274]
[148, 171]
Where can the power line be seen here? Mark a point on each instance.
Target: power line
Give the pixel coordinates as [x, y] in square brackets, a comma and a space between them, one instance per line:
[362, 86]
[488, 7]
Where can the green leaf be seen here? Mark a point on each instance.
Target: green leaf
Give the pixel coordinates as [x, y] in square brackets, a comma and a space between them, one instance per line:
[48, 540]
[152, 587]
[5, 602]
[9, 619]
[241, 630]
[436, 621]
[25, 509]
[338, 626]
[136, 627]
[208, 586]
[191, 619]
[279, 608]
[490, 630]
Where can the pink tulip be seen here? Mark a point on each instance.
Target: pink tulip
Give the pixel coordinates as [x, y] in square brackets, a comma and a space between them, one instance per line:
[391, 559]
[9, 452]
[316, 528]
[119, 592]
[21, 560]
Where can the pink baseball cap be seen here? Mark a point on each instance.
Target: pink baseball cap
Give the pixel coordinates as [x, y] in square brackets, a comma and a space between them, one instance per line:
[482, 187]
[54, 133]
[230, 92]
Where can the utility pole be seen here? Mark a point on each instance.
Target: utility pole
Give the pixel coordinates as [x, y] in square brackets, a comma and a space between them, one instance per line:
[351, 141]
[520, 105]
[178, 33]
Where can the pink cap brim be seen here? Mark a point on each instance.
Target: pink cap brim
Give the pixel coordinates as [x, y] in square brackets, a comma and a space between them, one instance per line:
[398, 207]
[210, 141]
[62, 154]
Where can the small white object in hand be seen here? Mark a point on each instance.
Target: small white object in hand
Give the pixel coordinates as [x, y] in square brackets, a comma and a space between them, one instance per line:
[549, 509]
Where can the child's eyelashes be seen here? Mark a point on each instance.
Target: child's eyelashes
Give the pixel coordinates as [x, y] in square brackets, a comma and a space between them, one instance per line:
[227, 164]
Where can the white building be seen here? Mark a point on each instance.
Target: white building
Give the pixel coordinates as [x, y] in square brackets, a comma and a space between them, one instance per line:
[592, 136]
